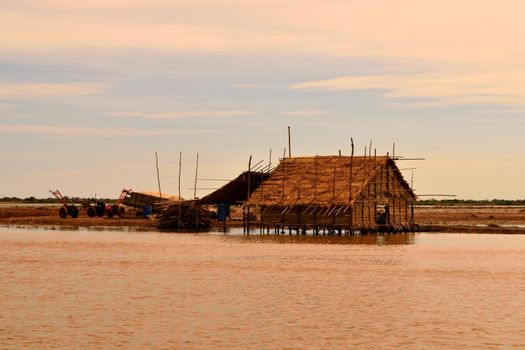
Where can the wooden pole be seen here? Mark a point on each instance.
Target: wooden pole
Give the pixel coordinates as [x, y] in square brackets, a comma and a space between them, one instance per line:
[350, 186]
[270, 161]
[351, 166]
[394, 150]
[375, 189]
[195, 192]
[289, 143]
[315, 191]
[333, 191]
[158, 181]
[248, 195]
[180, 198]
[412, 214]
[370, 149]
[196, 172]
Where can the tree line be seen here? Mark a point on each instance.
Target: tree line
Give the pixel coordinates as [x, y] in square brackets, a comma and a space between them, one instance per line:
[452, 202]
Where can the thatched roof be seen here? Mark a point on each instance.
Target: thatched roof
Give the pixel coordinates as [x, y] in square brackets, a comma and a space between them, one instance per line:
[235, 191]
[321, 180]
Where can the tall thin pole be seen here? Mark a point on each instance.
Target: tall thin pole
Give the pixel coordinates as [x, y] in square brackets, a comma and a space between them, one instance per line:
[180, 198]
[158, 178]
[270, 161]
[289, 143]
[370, 149]
[351, 166]
[350, 187]
[195, 192]
[196, 172]
[247, 216]
[180, 170]
[394, 150]
[249, 178]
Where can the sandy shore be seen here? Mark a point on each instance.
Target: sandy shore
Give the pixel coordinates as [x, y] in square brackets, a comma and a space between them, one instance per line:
[479, 219]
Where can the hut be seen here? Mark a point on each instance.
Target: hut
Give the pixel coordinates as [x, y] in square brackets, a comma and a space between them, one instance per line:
[335, 193]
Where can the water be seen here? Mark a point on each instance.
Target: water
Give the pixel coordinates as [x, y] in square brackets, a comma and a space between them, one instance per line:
[134, 290]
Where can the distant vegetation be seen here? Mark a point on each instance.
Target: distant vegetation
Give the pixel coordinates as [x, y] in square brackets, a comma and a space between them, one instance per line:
[471, 202]
[450, 202]
[51, 200]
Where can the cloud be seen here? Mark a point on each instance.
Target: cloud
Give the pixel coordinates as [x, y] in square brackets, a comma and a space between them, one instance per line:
[254, 86]
[183, 114]
[478, 30]
[57, 130]
[31, 90]
[307, 113]
[503, 111]
[433, 90]
[5, 108]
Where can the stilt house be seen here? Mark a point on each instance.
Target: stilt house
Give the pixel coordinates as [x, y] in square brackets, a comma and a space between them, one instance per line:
[365, 193]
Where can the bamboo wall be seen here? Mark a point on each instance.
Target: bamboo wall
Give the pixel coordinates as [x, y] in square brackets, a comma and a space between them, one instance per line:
[384, 189]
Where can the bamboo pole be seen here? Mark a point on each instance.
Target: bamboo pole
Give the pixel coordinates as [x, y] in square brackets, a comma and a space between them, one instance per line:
[196, 172]
[351, 168]
[333, 189]
[270, 161]
[248, 195]
[375, 188]
[195, 191]
[394, 150]
[289, 143]
[315, 187]
[180, 198]
[158, 180]
[350, 186]
[158, 174]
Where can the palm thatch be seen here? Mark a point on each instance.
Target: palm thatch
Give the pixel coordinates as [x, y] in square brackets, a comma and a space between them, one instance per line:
[236, 191]
[326, 181]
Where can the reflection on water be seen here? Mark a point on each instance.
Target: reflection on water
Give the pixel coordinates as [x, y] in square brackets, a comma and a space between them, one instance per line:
[389, 239]
[236, 233]
[75, 228]
[109, 289]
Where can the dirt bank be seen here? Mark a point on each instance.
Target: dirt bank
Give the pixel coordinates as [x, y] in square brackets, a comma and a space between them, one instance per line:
[13, 214]
[479, 219]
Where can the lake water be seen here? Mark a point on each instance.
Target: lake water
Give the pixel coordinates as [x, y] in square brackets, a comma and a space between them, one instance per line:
[137, 290]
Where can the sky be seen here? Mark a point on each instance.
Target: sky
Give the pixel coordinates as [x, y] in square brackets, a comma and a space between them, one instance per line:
[90, 90]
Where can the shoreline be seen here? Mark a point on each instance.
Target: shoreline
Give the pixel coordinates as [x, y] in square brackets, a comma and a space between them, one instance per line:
[452, 219]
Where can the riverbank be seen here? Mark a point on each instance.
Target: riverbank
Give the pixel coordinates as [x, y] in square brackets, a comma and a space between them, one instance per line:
[471, 219]
[461, 219]
[47, 215]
